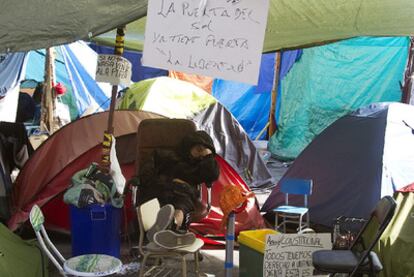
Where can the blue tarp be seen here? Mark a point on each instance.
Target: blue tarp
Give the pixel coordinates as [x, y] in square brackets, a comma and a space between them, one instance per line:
[331, 80]
[251, 104]
[74, 67]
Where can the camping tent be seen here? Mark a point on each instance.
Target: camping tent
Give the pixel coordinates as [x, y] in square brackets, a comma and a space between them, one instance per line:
[179, 99]
[360, 158]
[396, 244]
[47, 173]
[290, 23]
[20, 258]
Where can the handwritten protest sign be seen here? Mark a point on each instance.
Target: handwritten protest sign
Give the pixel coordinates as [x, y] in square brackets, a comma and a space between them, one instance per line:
[217, 38]
[113, 69]
[289, 255]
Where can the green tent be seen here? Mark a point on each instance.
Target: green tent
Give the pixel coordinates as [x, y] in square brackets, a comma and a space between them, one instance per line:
[396, 246]
[298, 23]
[20, 258]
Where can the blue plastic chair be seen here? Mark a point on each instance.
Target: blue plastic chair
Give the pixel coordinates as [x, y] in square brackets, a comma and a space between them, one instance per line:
[293, 214]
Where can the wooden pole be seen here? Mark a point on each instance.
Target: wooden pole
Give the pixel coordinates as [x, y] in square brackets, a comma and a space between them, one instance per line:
[107, 142]
[272, 121]
[47, 122]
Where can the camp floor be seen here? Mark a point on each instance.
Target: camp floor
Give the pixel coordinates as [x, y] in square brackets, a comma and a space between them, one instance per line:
[212, 263]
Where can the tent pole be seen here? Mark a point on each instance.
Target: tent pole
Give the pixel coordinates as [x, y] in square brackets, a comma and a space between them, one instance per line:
[107, 142]
[272, 121]
[47, 122]
[408, 75]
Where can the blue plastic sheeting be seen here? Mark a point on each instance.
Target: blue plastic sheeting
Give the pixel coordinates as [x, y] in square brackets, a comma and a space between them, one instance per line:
[74, 64]
[36, 70]
[331, 80]
[11, 66]
[86, 90]
[251, 104]
[139, 72]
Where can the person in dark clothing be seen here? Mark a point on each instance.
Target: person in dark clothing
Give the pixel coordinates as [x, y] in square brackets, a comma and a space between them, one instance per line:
[173, 176]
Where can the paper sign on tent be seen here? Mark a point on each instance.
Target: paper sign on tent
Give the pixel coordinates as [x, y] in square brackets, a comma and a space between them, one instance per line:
[291, 254]
[217, 38]
[113, 69]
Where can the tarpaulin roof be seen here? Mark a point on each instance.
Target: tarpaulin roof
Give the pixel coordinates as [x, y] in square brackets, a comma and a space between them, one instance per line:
[295, 23]
[27, 25]
[331, 80]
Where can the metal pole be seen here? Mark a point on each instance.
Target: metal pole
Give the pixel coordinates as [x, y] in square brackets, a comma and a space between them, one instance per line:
[228, 266]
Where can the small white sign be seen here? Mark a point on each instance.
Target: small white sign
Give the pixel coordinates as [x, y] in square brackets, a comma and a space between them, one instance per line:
[217, 38]
[113, 69]
[289, 255]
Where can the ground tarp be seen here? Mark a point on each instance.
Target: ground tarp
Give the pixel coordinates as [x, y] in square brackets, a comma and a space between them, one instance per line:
[20, 258]
[329, 81]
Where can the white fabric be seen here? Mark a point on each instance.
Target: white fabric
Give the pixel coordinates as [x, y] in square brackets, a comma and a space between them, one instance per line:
[115, 169]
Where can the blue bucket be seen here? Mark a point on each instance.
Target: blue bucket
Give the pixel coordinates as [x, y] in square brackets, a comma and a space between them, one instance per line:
[96, 229]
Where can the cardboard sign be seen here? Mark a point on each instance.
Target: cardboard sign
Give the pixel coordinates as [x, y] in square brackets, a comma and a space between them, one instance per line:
[289, 255]
[217, 38]
[113, 69]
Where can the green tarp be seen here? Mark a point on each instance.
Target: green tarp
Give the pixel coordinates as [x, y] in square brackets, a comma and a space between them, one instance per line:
[34, 24]
[20, 258]
[330, 81]
[294, 23]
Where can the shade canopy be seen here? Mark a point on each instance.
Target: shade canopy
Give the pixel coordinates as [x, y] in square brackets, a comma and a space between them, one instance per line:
[299, 23]
[34, 24]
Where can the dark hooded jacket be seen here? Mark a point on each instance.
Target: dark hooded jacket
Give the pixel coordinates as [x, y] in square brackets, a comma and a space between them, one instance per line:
[157, 174]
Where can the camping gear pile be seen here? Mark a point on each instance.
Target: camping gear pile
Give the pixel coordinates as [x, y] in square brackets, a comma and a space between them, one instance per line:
[92, 186]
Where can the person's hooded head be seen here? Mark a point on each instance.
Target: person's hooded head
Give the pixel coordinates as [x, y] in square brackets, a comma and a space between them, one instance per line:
[196, 145]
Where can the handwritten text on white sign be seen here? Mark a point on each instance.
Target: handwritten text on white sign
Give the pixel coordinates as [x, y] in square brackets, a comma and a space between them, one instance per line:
[291, 254]
[223, 38]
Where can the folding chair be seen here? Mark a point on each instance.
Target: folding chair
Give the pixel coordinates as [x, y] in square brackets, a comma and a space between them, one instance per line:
[293, 214]
[147, 214]
[84, 265]
[359, 259]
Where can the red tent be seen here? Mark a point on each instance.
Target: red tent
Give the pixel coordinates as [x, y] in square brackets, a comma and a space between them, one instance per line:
[47, 173]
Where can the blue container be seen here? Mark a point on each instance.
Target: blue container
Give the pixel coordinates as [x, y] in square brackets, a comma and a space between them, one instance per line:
[96, 230]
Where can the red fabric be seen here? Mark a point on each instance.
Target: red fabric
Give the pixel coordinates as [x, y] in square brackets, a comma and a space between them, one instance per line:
[409, 188]
[60, 89]
[56, 212]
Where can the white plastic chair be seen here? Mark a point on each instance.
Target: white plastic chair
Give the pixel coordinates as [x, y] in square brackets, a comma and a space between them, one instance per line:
[147, 215]
[84, 265]
[294, 214]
